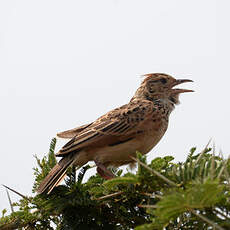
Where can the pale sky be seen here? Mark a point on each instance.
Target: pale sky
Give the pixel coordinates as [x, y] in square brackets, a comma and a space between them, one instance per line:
[65, 63]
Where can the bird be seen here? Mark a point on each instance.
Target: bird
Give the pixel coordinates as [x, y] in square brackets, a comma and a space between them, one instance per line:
[114, 138]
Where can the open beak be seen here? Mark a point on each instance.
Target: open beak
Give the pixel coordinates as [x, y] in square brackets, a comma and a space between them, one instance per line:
[178, 82]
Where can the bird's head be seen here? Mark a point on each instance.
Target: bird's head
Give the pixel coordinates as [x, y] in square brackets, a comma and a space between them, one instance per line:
[161, 86]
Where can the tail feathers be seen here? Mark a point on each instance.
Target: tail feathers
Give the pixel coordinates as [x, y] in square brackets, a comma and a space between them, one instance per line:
[56, 175]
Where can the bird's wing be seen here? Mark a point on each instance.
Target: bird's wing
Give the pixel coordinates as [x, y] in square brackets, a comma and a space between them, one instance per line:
[121, 121]
[68, 134]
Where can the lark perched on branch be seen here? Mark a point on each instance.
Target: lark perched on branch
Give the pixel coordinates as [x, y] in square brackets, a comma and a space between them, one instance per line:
[112, 139]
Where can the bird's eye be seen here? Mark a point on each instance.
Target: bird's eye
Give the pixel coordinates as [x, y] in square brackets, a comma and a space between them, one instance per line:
[163, 80]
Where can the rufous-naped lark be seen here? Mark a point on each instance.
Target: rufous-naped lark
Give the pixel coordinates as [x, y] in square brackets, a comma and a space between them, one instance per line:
[113, 138]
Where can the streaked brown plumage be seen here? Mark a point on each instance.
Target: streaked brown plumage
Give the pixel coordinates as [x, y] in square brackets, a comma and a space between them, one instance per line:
[117, 135]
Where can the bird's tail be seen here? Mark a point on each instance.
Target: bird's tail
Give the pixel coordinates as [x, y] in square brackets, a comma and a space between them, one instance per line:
[56, 175]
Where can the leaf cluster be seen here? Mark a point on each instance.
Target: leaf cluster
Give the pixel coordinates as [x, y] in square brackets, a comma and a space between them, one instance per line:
[45, 165]
[162, 194]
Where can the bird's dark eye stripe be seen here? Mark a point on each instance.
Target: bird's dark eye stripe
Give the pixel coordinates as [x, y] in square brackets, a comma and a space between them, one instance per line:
[162, 80]
[152, 82]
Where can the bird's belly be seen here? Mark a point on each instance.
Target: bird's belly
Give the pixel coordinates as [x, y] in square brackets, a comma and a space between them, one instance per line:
[117, 154]
[120, 154]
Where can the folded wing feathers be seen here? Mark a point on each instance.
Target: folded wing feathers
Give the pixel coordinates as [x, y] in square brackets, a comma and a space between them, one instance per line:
[91, 134]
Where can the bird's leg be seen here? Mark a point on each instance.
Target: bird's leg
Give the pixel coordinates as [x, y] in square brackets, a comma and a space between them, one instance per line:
[104, 175]
[104, 172]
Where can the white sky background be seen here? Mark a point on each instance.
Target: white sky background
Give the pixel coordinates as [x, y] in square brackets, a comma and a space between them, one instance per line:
[64, 63]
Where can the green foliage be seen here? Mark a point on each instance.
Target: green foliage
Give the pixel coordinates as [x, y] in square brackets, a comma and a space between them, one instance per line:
[44, 165]
[161, 195]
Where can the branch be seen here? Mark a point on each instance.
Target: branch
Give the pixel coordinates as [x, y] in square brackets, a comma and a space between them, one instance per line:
[11, 205]
[155, 172]
[25, 197]
[14, 225]
[110, 195]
